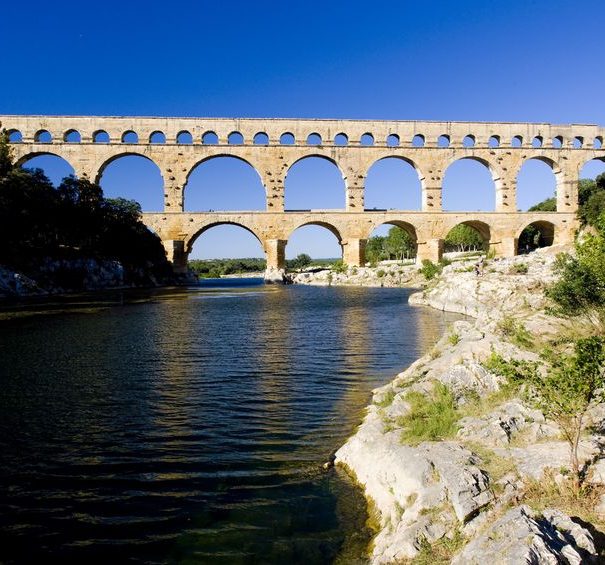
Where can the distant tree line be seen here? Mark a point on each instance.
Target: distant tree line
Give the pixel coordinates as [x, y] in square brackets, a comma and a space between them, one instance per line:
[215, 268]
[40, 223]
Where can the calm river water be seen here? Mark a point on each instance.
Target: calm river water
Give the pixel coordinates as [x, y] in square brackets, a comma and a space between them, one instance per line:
[192, 428]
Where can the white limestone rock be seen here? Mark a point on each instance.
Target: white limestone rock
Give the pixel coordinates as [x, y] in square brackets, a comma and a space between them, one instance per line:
[522, 536]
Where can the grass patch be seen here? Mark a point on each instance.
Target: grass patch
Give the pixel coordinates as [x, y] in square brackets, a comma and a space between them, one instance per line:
[431, 417]
[453, 339]
[441, 551]
[518, 269]
[516, 332]
[547, 493]
[495, 465]
[387, 399]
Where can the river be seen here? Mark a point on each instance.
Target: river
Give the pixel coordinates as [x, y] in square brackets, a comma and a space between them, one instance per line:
[191, 426]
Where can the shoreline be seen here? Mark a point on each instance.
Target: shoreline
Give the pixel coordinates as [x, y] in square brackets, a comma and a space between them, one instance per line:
[431, 493]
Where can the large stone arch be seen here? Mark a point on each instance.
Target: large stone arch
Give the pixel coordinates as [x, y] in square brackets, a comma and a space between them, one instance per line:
[403, 158]
[314, 154]
[554, 166]
[55, 176]
[337, 232]
[496, 173]
[191, 167]
[23, 158]
[484, 230]
[192, 237]
[405, 225]
[547, 233]
[128, 153]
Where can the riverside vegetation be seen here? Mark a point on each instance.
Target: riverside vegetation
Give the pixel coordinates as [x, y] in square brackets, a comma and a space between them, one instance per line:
[69, 237]
[492, 443]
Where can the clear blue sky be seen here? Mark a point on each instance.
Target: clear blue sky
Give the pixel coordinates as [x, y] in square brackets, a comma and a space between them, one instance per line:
[431, 60]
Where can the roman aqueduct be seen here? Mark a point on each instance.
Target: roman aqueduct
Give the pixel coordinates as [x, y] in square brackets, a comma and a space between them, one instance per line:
[272, 146]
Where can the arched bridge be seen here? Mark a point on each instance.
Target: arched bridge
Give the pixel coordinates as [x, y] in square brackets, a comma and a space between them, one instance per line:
[272, 146]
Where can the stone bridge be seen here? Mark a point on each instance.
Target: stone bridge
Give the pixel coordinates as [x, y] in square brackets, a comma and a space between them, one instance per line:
[272, 146]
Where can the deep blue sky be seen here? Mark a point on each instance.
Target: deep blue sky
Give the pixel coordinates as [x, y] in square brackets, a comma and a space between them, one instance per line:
[431, 60]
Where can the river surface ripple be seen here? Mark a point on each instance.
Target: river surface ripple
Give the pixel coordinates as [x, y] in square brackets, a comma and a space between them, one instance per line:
[192, 428]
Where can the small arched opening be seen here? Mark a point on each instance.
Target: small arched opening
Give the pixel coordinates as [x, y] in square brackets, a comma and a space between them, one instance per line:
[157, 137]
[100, 136]
[537, 142]
[261, 138]
[536, 235]
[14, 136]
[418, 140]
[557, 142]
[314, 139]
[468, 141]
[130, 137]
[184, 138]
[235, 138]
[493, 142]
[72, 136]
[367, 140]
[43, 136]
[443, 141]
[341, 139]
[287, 139]
[210, 138]
[393, 140]
[516, 141]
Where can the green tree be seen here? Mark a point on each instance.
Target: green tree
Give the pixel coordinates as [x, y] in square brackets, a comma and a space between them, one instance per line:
[39, 222]
[375, 249]
[566, 391]
[548, 205]
[463, 238]
[301, 261]
[580, 288]
[591, 199]
[399, 244]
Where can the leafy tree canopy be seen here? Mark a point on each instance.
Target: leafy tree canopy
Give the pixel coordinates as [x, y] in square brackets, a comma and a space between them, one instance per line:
[39, 222]
[397, 244]
[463, 238]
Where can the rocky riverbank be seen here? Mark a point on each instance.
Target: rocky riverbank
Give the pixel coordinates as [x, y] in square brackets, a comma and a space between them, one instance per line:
[394, 275]
[494, 486]
[53, 277]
